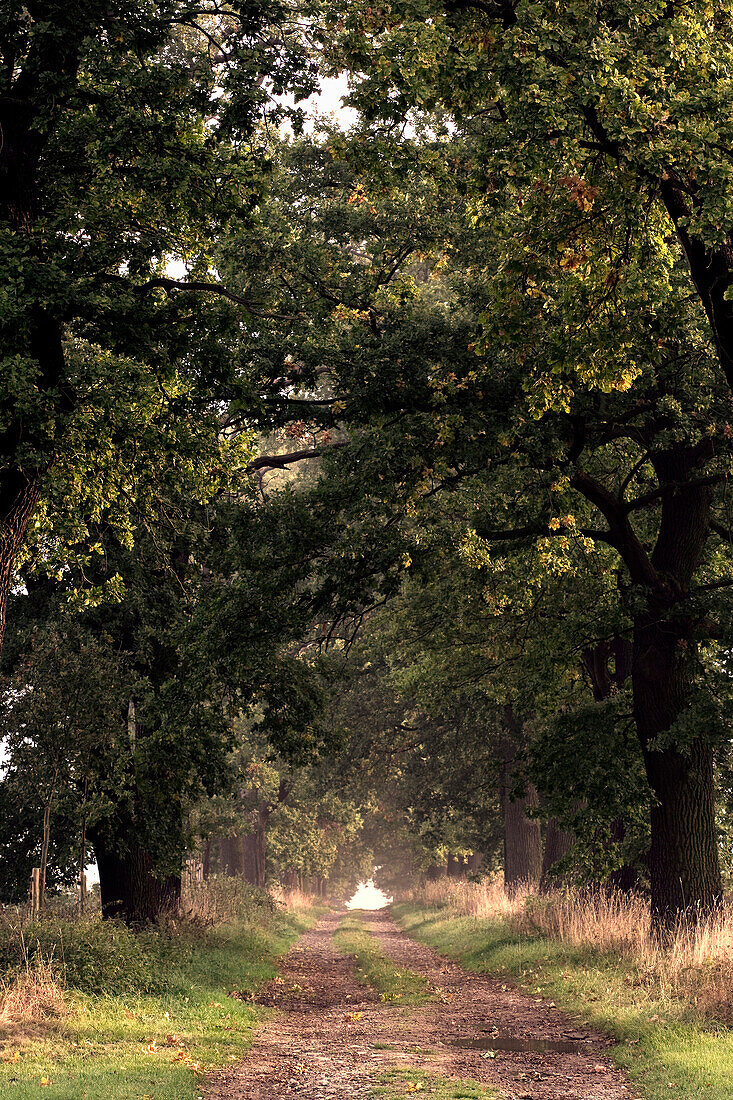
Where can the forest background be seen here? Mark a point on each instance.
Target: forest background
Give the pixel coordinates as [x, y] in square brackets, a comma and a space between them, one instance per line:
[364, 490]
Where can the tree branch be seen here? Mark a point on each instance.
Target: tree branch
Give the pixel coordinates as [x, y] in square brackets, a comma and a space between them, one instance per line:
[280, 462]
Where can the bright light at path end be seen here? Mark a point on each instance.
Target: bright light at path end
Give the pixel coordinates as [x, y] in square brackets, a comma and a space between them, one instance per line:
[368, 896]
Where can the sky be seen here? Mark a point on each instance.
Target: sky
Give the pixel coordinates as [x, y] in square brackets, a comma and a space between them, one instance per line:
[368, 896]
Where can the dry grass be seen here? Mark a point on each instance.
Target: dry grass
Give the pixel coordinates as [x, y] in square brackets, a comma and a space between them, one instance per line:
[223, 899]
[696, 964]
[291, 898]
[31, 997]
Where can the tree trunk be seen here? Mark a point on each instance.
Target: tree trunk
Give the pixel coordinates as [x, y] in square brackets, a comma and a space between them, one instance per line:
[475, 863]
[44, 851]
[557, 845]
[684, 869]
[19, 495]
[232, 855]
[131, 890]
[522, 834]
[626, 878]
[206, 861]
[456, 866]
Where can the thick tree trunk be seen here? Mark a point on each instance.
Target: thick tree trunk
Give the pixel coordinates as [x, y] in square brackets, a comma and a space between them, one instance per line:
[557, 845]
[231, 855]
[456, 866]
[522, 834]
[683, 860]
[130, 888]
[434, 872]
[475, 863]
[684, 869]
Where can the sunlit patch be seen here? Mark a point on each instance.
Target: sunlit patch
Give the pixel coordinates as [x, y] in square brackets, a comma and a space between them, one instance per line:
[368, 896]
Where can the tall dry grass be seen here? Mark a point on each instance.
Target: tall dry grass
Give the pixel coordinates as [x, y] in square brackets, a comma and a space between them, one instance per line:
[223, 899]
[696, 963]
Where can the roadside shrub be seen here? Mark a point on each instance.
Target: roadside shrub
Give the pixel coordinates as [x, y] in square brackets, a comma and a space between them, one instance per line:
[90, 955]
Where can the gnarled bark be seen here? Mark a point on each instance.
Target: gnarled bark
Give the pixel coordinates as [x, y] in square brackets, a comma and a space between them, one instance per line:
[130, 887]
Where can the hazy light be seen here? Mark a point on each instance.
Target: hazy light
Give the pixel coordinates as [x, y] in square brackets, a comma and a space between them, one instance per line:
[368, 896]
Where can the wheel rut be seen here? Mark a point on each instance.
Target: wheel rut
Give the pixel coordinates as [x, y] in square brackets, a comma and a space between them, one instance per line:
[333, 1037]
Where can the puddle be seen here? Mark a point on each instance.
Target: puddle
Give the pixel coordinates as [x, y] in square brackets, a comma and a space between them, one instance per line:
[515, 1043]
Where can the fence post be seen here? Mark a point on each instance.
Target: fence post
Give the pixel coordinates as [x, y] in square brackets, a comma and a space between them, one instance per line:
[35, 891]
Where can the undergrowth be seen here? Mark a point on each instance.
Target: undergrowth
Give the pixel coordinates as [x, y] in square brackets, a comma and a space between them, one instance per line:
[94, 1010]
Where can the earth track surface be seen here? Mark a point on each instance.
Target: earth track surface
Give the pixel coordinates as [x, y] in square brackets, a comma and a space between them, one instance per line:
[333, 1037]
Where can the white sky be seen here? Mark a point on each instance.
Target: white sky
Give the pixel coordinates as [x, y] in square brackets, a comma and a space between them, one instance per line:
[368, 896]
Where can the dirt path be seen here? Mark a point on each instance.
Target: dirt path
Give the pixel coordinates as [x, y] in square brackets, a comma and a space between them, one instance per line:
[333, 1036]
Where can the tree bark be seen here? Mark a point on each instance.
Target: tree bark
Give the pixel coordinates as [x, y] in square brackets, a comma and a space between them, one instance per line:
[475, 862]
[684, 869]
[131, 890]
[557, 845]
[683, 859]
[456, 866]
[522, 834]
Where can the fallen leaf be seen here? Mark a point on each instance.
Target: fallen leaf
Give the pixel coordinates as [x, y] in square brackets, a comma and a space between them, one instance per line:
[354, 1015]
[45, 1082]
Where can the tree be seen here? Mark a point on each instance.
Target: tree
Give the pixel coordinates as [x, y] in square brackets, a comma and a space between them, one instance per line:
[599, 204]
[128, 141]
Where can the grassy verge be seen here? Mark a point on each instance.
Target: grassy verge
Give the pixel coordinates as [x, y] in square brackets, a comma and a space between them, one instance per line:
[373, 968]
[158, 1030]
[398, 1084]
[663, 1045]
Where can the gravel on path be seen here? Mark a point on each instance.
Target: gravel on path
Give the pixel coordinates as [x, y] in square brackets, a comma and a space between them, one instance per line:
[333, 1037]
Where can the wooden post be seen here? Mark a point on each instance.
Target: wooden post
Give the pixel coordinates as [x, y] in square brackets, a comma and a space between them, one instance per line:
[35, 892]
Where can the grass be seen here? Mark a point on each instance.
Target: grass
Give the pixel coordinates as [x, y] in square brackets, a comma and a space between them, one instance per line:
[374, 968]
[151, 1040]
[664, 1045]
[398, 1084]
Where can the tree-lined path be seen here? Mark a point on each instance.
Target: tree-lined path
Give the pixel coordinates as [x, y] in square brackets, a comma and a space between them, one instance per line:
[333, 1037]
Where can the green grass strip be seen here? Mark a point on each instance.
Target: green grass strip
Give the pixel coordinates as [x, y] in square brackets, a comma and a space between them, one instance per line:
[399, 1084]
[145, 1047]
[374, 968]
[663, 1046]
